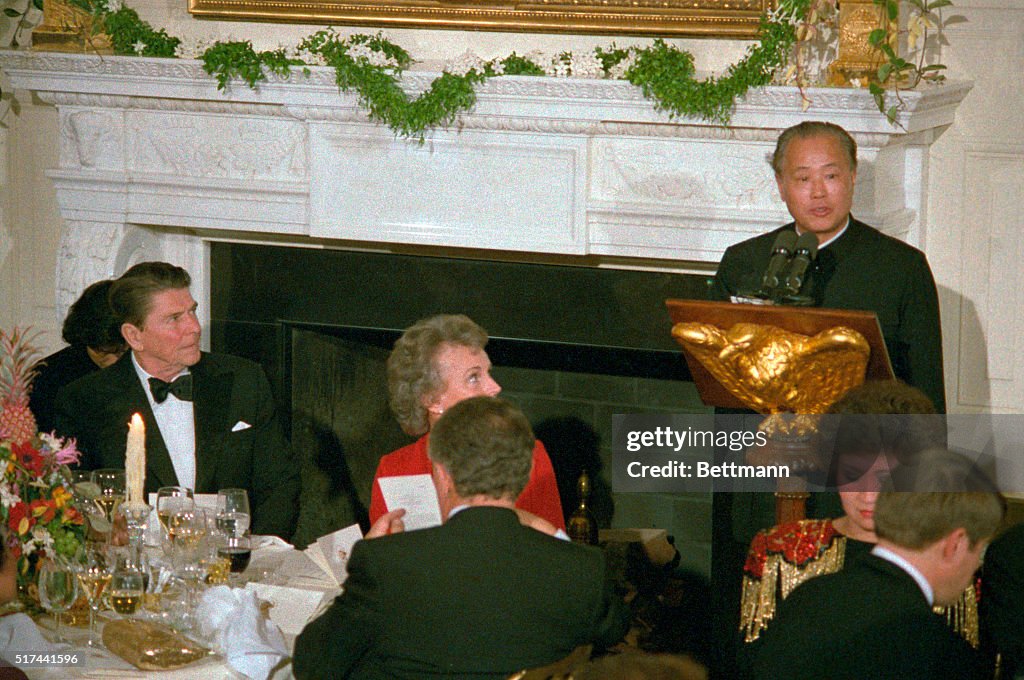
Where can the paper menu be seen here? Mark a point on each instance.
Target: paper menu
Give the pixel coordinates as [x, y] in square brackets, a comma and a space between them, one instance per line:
[331, 552]
[415, 493]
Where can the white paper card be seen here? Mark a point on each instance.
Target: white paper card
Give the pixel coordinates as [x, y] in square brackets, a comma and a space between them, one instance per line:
[415, 493]
[292, 608]
[331, 552]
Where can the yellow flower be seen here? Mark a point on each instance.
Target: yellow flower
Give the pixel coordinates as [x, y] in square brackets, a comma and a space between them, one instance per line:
[61, 496]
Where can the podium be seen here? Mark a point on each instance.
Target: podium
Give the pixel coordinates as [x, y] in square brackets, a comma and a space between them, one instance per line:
[779, 360]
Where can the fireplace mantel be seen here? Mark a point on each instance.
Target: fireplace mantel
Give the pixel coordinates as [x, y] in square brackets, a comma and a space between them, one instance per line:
[155, 162]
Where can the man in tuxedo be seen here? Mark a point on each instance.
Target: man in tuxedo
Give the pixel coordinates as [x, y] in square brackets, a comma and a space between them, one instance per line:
[481, 596]
[1002, 600]
[874, 618]
[211, 422]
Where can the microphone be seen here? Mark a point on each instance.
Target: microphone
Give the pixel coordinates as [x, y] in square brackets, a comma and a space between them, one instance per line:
[782, 250]
[803, 255]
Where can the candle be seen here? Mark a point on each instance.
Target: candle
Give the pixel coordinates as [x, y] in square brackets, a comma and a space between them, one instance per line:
[135, 461]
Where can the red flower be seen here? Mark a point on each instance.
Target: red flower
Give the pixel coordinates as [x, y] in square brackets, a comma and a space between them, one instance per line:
[43, 510]
[29, 458]
[20, 519]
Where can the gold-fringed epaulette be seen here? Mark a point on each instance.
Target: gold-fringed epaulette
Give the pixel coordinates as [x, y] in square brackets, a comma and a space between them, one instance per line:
[962, 615]
[779, 560]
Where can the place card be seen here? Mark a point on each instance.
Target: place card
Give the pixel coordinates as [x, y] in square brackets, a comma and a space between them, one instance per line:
[415, 493]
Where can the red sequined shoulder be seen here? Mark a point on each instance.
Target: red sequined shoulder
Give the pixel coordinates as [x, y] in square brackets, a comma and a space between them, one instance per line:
[797, 542]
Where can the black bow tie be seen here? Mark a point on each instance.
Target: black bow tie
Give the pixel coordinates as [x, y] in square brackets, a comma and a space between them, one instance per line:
[181, 387]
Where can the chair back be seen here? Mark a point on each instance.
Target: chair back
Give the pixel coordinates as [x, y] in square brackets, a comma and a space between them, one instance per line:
[558, 670]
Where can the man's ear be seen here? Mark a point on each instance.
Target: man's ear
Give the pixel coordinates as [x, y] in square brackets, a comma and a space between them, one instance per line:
[955, 543]
[132, 335]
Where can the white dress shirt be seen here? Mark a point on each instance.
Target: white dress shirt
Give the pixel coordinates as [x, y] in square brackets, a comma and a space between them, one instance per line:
[176, 421]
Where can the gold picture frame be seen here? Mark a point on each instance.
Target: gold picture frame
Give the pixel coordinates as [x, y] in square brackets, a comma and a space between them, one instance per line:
[669, 18]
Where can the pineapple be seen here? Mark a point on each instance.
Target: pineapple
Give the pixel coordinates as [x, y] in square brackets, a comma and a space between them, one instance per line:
[17, 359]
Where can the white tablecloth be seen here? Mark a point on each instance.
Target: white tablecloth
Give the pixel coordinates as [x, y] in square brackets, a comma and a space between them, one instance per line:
[275, 569]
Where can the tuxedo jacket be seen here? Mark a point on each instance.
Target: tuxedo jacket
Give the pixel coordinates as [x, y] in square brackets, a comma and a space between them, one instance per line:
[54, 372]
[868, 621]
[239, 441]
[866, 270]
[480, 596]
[1002, 600]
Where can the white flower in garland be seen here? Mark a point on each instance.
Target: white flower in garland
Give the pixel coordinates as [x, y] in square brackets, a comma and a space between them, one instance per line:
[464, 63]
[139, 47]
[586, 66]
[618, 71]
[115, 5]
[363, 52]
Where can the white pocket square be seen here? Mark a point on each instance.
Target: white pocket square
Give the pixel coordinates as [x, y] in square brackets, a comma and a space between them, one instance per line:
[241, 425]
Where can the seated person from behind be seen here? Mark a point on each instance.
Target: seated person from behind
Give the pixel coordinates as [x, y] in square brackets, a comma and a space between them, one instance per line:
[873, 429]
[211, 422]
[481, 596]
[94, 341]
[874, 618]
[438, 362]
[1002, 601]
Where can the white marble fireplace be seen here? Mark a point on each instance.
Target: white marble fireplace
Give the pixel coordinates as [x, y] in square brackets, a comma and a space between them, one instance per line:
[156, 163]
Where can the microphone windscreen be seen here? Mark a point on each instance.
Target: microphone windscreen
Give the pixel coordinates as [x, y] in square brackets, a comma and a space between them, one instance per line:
[808, 242]
[786, 240]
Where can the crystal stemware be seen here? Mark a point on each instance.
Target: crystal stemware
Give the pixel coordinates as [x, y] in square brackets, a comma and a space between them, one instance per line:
[58, 590]
[233, 516]
[171, 499]
[94, 570]
[111, 483]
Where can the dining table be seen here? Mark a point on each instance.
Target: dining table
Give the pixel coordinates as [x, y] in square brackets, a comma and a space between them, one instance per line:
[291, 589]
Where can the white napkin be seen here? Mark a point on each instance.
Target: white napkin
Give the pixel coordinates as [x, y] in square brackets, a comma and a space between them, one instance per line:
[232, 620]
[19, 633]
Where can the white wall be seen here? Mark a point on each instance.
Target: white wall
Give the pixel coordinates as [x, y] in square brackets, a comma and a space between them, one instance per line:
[972, 227]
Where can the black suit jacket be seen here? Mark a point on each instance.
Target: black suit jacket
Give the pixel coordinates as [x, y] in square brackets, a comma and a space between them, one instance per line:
[227, 391]
[870, 271]
[478, 597]
[868, 621]
[54, 372]
[1002, 599]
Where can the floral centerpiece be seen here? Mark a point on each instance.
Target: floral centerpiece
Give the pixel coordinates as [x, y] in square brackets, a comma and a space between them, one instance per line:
[37, 508]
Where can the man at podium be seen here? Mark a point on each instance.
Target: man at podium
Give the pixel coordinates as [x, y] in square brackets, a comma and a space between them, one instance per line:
[857, 267]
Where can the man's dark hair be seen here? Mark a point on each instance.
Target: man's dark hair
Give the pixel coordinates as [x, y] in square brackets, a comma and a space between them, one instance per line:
[813, 128]
[91, 322]
[486, 445]
[131, 296]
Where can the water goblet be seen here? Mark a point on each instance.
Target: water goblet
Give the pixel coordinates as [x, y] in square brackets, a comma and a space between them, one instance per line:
[94, 570]
[111, 483]
[233, 516]
[58, 590]
[136, 516]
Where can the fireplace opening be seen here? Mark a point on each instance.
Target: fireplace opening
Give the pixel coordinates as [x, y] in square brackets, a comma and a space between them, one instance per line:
[571, 346]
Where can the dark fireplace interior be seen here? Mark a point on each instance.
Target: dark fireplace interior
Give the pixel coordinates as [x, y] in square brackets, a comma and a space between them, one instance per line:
[570, 345]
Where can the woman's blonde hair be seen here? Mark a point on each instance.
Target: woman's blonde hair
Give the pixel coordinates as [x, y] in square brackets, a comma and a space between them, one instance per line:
[413, 378]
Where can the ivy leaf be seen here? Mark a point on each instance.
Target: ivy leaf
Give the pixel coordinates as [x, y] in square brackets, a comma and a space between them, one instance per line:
[38, 4]
[939, 3]
[934, 67]
[8, 11]
[877, 37]
[883, 72]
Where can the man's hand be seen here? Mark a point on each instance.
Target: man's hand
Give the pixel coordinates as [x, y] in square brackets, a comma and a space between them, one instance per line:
[388, 523]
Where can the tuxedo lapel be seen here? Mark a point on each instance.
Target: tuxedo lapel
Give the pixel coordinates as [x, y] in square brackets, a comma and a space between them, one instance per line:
[129, 390]
[211, 399]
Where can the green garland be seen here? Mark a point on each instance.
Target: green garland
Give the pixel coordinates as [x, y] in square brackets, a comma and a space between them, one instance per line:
[664, 73]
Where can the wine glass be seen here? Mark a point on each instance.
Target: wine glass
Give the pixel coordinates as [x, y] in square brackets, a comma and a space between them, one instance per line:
[128, 583]
[233, 516]
[171, 499]
[111, 483]
[94, 570]
[185, 532]
[58, 590]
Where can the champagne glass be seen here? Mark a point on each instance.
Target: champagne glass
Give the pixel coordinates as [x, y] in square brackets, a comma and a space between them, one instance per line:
[58, 590]
[233, 516]
[111, 483]
[94, 570]
[186, 530]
